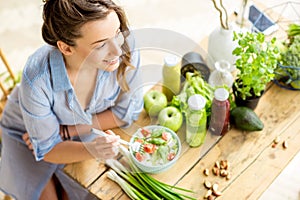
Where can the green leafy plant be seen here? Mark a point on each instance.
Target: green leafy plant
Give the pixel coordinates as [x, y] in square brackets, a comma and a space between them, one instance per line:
[256, 61]
[293, 30]
[288, 70]
[194, 84]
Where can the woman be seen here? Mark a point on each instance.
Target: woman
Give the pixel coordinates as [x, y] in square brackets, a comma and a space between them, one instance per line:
[85, 77]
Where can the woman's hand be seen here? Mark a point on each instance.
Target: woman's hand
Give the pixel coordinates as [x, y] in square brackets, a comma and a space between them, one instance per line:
[107, 147]
[27, 141]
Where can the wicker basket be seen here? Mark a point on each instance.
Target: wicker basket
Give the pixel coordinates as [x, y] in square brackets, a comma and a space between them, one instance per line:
[287, 77]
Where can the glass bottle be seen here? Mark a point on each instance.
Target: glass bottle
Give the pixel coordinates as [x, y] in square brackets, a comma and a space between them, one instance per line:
[220, 113]
[221, 75]
[196, 120]
[171, 76]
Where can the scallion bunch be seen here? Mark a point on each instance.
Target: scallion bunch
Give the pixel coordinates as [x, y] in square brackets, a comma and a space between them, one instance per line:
[138, 185]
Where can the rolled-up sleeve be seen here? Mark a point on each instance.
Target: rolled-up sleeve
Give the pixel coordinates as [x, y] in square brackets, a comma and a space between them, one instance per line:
[40, 121]
[130, 104]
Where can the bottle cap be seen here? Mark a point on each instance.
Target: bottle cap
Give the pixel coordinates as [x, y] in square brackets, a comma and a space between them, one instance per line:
[196, 102]
[171, 60]
[221, 94]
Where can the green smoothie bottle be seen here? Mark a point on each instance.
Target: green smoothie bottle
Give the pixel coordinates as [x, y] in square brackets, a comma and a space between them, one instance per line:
[171, 76]
[196, 121]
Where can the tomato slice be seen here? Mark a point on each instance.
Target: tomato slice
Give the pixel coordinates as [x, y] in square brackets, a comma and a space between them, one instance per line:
[166, 136]
[139, 140]
[149, 148]
[139, 156]
[171, 156]
[145, 132]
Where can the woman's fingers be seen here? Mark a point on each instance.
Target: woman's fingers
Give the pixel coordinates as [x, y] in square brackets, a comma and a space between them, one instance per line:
[108, 153]
[109, 138]
[110, 132]
[107, 146]
[27, 141]
[25, 136]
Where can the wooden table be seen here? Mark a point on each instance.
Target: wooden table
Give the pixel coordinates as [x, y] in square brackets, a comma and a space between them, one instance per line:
[254, 163]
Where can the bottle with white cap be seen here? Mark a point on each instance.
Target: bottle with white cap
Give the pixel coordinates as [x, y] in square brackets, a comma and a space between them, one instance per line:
[220, 113]
[171, 76]
[196, 120]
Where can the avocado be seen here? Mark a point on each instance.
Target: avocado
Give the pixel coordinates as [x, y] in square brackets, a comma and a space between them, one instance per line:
[246, 119]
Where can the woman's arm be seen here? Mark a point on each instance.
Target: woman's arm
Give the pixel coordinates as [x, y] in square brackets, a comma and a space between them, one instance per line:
[103, 121]
[72, 151]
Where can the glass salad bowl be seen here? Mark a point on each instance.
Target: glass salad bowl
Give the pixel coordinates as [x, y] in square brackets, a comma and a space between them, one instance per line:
[154, 148]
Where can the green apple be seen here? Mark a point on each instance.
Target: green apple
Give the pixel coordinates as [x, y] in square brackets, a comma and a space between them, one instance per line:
[154, 102]
[171, 118]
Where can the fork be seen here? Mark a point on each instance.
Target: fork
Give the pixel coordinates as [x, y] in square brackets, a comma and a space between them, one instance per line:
[102, 133]
[139, 148]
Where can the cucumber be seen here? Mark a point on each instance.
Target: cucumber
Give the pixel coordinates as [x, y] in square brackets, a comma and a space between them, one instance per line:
[246, 119]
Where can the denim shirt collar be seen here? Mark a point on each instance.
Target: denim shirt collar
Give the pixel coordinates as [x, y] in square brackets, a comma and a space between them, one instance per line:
[60, 79]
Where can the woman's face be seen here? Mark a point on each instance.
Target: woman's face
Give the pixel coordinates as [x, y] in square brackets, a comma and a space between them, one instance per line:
[100, 46]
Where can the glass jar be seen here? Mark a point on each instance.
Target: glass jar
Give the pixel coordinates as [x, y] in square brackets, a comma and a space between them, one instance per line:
[221, 75]
[171, 76]
[220, 113]
[196, 121]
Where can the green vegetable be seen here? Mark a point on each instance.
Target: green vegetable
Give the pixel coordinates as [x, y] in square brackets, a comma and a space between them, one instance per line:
[163, 152]
[127, 188]
[157, 141]
[293, 30]
[246, 119]
[157, 133]
[288, 70]
[291, 56]
[194, 84]
[141, 186]
[296, 84]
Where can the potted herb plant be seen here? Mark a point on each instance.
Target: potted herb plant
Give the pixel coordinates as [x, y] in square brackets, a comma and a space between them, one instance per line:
[256, 62]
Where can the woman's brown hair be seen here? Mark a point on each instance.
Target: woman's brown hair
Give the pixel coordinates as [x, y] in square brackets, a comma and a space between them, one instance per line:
[64, 18]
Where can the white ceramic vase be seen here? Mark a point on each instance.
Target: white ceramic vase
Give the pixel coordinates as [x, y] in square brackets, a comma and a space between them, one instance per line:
[220, 47]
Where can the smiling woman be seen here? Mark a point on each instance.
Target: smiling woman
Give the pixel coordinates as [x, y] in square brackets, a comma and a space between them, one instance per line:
[87, 76]
[101, 43]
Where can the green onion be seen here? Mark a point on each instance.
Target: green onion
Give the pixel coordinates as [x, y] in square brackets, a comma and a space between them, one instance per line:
[127, 188]
[139, 185]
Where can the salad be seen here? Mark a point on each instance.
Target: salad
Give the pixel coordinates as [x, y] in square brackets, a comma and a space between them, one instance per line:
[155, 146]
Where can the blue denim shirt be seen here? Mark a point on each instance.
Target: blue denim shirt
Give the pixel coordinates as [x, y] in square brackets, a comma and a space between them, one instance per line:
[45, 99]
